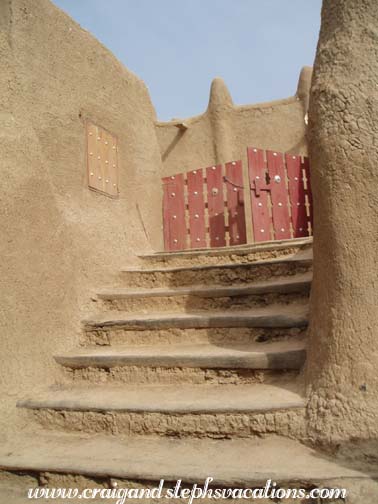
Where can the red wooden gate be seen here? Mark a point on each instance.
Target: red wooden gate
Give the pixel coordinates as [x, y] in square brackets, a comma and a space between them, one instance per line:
[281, 200]
[205, 208]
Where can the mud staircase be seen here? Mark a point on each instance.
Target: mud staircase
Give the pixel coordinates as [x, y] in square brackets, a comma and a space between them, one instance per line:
[190, 367]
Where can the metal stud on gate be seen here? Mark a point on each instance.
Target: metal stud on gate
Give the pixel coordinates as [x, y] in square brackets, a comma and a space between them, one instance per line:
[277, 179]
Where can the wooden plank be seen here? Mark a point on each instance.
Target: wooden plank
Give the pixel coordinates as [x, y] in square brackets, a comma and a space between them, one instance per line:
[102, 162]
[261, 220]
[235, 203]
[306, 169]
[278, 194]
[196, 206]
[297, 195]
[215, 206]
[175, 232]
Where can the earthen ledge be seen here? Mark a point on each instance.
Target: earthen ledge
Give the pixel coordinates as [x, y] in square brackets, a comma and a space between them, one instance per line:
[250, 462]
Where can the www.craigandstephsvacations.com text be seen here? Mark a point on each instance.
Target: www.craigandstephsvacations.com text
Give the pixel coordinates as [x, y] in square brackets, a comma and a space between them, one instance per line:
[187, 494]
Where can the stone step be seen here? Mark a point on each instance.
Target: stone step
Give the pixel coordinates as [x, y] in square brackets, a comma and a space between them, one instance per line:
[274, 316]
[171, 410]
[289, 354]
[232, 463]
[168, 398]
[200, 297]
[220, 274]
[239, 253]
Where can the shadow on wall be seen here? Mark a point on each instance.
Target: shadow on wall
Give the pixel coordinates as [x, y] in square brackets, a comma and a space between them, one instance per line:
[172, 145]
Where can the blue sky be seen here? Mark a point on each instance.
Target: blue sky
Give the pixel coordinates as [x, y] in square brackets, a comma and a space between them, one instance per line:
[178, 46]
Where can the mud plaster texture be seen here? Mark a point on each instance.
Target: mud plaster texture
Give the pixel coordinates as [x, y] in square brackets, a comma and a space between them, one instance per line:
[59, 239]
[205, 425]
[342, 356]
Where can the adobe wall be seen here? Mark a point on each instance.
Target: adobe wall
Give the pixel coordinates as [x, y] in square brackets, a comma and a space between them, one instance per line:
[59, 240]
[225, 130]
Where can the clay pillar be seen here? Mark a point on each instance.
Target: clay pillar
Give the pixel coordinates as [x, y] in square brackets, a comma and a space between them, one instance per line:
[219, 109]
[342, 366]
[303, 89]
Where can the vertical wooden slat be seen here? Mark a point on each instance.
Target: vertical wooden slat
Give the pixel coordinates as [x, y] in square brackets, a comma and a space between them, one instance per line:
[215, 206]
[278, 194]
[306, 168]
[235, 203]
[196, 204]
[297, 195]
[102, 160]
[261, 220]
[175, 232]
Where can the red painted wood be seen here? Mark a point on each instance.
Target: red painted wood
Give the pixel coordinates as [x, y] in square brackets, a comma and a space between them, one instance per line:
[215, 206]
[278, 194]
[261, 219]
[175, 232]
[306, 168]
[235, 203]
[297, 195]
[196, 206]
